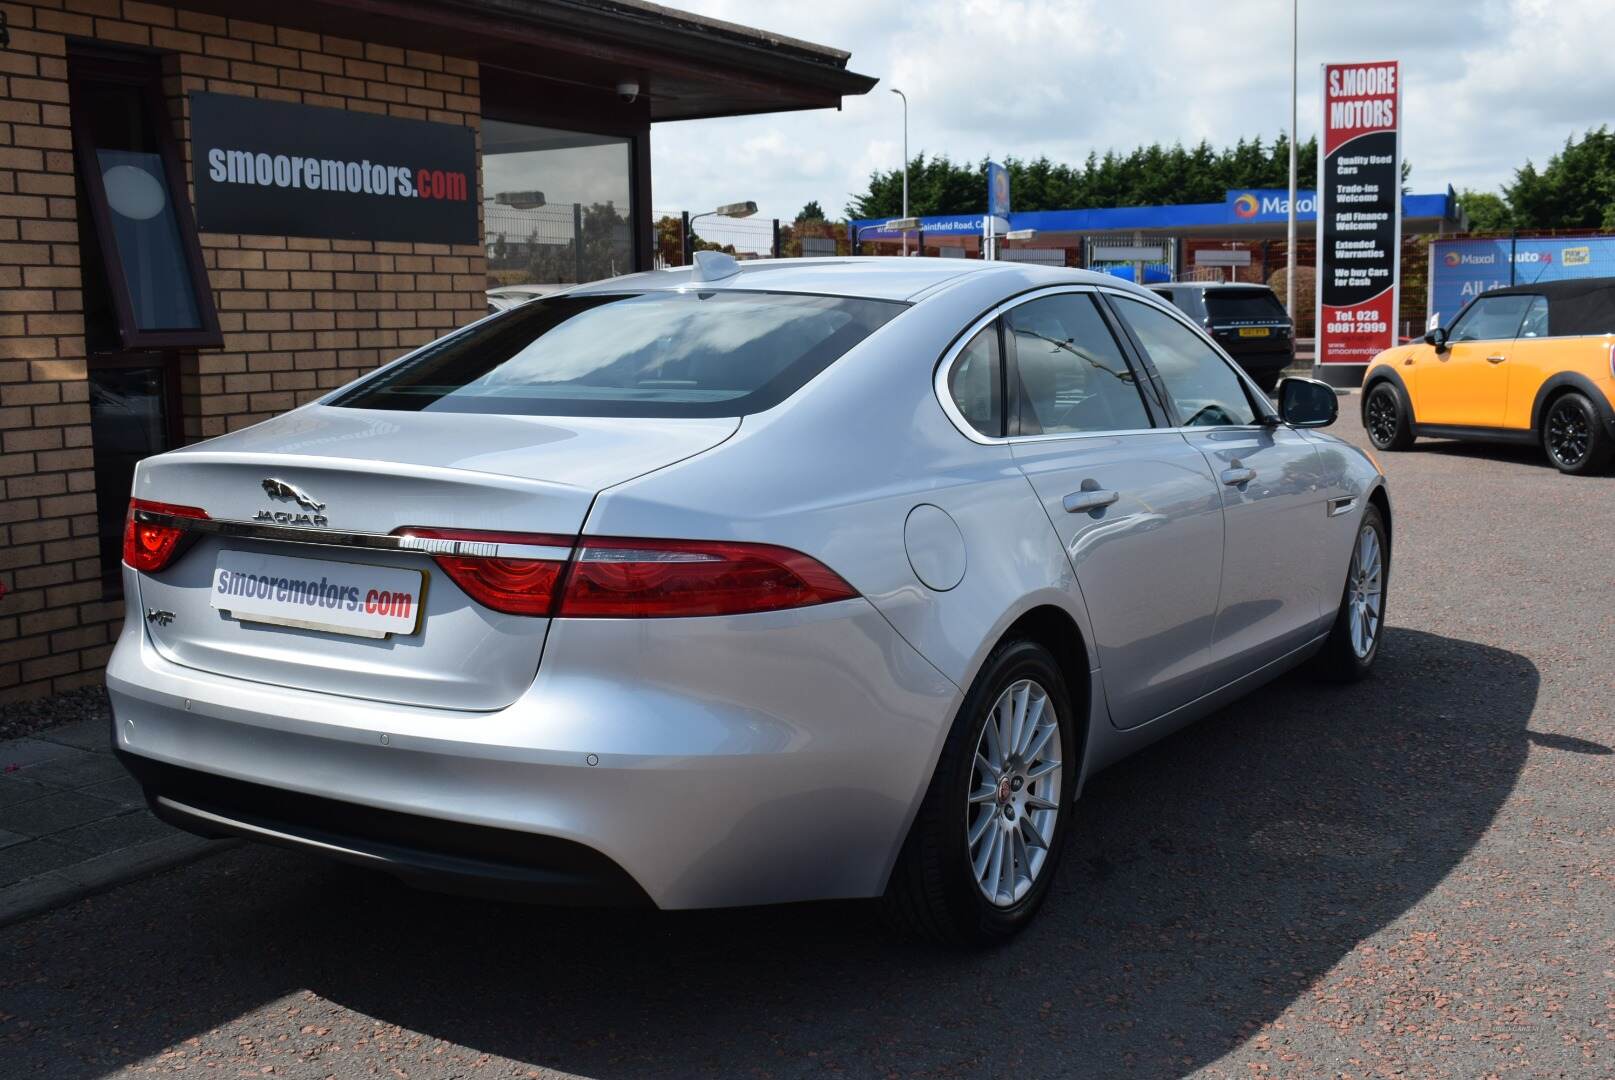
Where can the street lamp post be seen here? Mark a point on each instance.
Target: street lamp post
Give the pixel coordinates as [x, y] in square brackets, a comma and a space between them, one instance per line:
[1289, 275]
[735, 210]
[904, 96]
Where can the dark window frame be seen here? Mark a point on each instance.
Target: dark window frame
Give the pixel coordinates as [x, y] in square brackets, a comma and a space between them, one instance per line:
[143, 77]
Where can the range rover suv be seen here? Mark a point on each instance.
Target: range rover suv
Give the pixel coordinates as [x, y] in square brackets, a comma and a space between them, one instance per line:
[1248, 321]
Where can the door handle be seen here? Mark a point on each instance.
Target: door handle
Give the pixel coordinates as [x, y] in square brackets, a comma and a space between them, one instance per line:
[1238, 475]
[1498, 359]
[1088, 499]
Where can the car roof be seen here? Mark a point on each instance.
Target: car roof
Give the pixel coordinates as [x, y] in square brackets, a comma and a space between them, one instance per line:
[1557, 289]
[874, 277]
[1211, 285]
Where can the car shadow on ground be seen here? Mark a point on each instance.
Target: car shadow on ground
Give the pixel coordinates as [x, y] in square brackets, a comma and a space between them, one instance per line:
[1207, 883]
[1530, 454]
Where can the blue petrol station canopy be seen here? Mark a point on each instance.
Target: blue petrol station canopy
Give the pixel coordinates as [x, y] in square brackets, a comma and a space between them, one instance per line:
[1253, 206]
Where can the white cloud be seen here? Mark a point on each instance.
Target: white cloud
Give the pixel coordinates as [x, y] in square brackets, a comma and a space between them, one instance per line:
[1486, 85]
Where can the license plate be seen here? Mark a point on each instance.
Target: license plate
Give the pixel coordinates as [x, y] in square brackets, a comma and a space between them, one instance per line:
[1254, 331]
[318, 594]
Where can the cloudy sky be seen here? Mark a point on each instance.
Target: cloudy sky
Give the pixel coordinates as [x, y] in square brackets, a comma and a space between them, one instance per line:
[1486, 85]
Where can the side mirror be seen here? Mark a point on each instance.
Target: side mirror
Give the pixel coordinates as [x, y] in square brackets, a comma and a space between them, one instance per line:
[1438, 338]
[1305, 403]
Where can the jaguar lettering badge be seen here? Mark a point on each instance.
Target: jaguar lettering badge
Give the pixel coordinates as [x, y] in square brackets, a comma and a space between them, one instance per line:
[280, 489]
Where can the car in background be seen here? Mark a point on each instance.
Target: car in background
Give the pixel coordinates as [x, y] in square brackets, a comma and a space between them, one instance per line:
[739, 583]
[505, 297]
[1532, 364]
[1247, 320]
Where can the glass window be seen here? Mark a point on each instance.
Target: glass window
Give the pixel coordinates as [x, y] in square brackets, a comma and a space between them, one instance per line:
[143, 253]
[556, 205]
[129, 420]
[1243, 305]
[975, 380]
[653, 354]
[1072, 375]
[1203, 385]
[1490, 318]
[1535, 323]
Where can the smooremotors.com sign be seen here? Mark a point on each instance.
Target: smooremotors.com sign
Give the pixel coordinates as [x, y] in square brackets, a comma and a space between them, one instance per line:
[276, 169]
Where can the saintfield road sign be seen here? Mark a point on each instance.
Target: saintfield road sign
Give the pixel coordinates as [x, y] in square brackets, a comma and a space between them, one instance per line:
[276, 169]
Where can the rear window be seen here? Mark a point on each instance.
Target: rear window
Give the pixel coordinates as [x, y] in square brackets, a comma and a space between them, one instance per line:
[1230, 305]
[719, 353]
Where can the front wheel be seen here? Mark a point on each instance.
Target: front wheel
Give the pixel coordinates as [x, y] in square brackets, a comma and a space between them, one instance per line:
[1389, 426]
[984, 846]
[1353, 643]
[1574, 437]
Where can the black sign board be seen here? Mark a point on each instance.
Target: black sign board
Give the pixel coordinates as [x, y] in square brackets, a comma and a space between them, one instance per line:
[276, 169]
[1359, 211]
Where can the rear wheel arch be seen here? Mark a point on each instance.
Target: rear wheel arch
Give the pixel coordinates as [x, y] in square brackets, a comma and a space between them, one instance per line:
[1569, 382]
[1055, 629]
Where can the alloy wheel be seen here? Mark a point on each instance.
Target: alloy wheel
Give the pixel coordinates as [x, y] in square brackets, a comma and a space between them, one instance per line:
[1382, 417]
[1365, 591]
[1014, 799]
[1569, 434]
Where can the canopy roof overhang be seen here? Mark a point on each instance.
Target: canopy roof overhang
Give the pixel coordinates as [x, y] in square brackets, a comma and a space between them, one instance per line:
[1437, 213]
[687, 66]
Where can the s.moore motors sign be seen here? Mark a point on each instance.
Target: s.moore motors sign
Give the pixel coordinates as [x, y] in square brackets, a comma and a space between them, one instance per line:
[276, 169]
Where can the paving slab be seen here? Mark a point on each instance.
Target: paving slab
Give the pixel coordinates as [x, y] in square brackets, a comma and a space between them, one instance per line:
[72, 821]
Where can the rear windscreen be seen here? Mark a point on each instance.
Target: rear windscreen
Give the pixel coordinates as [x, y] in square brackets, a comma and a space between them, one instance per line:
[1229, 305]
[721, 353]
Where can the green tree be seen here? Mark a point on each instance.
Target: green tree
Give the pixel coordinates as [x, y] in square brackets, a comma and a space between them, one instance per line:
[1146, 176]
[1575, 190]
[811, 212]
[1487, 212]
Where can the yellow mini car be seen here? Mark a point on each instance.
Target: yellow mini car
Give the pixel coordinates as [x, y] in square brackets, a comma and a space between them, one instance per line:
[1527, 364]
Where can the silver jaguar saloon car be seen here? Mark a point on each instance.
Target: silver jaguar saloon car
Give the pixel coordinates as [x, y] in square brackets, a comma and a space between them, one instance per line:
[738, 584]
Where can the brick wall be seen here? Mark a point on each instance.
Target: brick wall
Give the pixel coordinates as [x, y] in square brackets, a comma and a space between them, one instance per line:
[299, 316]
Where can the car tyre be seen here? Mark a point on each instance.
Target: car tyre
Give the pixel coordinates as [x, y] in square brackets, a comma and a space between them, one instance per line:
[1388, 423]
[1574, 438]
[935, 890]
[1354, 641]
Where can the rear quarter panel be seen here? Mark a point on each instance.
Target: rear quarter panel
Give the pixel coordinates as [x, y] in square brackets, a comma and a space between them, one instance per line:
[1533, 361]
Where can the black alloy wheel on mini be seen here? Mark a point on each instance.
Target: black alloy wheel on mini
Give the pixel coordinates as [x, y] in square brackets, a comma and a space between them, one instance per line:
[1574, 437]
[1386, 420]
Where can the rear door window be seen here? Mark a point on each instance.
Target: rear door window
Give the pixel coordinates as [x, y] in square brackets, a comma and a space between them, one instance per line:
[1070, 372]
[1243, 305]
[688, 353]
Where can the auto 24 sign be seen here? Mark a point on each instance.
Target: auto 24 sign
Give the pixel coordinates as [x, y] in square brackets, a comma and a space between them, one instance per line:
[276, 169]
[1359, 211]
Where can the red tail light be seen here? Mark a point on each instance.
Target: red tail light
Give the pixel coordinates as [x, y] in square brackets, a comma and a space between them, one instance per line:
[522, 583]
[617, 577]
[147, 547]
[614, 577]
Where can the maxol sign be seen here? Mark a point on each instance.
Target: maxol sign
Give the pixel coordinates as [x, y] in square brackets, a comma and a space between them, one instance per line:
[1461, 270]
[1271, 204]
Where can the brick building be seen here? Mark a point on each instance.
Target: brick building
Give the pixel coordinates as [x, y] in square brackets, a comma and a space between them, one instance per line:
[135, 318]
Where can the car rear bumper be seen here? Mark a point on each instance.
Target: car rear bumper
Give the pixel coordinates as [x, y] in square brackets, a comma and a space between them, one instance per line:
[684, 762]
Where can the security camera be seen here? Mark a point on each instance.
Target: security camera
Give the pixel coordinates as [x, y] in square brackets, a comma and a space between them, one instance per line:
[628, 91]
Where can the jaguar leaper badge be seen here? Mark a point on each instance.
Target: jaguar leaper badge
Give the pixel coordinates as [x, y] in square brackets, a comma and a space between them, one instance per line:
[280, 489]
